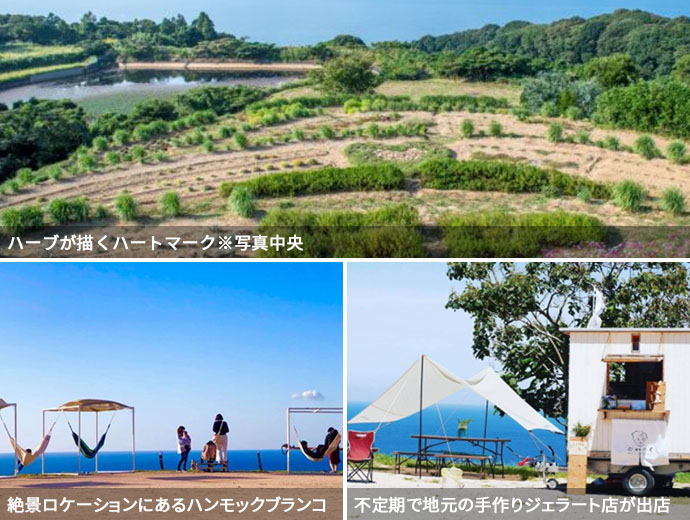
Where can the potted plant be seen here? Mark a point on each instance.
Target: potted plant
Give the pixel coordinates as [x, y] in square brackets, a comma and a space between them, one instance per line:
[463, 424]
[581, 431]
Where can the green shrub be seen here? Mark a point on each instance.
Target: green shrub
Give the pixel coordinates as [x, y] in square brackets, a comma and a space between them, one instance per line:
[65, 211]
[629, 195]
[87, 162]
[646, 147]
[327, 132]
[585, 194]
[100, 144]
[467, 128]
[583, 137]
[241, 201]
[673, 201]
[612, 143]
[504, 235]
[657, 106]
[18, 221]
[298, 134]
[101, 212]
[389, 232]
[677, 152]
[25, 176]
[574, 113]
[170, 204]
[139, 153]
[112, 158]
[495, 129]
[209, 146]
[241, 140]
[374, 177]
[122, 137]
[506, 176]
[549, 109]
[126, 207]
[160, 156]
[226, 132]
[555, 133]
[521, 113]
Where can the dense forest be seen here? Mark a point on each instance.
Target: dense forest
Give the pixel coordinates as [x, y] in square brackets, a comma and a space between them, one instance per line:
[518, 48]
[655, 42]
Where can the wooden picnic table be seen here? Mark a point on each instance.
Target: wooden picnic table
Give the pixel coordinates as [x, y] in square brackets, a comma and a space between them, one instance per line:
[431, 444]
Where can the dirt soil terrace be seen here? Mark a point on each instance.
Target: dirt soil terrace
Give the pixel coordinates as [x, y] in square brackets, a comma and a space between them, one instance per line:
[196, 175]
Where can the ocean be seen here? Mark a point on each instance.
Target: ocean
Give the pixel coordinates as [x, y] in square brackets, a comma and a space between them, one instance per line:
[396, 436]
[292, 22]
[238, 460]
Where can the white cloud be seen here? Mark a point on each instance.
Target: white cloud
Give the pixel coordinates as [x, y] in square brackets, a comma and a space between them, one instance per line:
[309, 395]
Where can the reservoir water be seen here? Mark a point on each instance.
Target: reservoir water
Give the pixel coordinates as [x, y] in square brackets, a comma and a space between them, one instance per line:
[121, 90]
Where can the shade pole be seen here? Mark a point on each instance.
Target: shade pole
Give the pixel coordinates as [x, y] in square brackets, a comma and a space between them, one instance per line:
[96, 461]
[486, 418]
[43, 455]
[134, 450]
[421, 401]
[16, 459]
[79, 445]
[287, 422]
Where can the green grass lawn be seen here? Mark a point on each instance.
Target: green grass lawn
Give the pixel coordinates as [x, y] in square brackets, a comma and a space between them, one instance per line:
[450, 87]
[16, 50]
[25, 73]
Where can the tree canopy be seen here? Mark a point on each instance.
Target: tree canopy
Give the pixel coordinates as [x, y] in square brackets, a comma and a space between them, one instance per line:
[350, 74]
[653, 41]
[518, 310]
[36, 133]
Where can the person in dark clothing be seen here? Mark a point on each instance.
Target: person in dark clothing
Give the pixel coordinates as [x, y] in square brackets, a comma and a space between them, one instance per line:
[220, 437]
[320, 450]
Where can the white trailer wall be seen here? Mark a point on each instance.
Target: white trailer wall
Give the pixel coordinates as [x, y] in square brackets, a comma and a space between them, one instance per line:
[587, 382]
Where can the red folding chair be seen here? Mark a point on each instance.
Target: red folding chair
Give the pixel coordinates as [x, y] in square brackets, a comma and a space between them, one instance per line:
[360, 458]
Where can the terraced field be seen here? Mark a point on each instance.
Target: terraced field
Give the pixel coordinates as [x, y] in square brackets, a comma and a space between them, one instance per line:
[196, 171]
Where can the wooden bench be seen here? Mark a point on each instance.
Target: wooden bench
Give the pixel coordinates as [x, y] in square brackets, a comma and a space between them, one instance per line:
[440, 460]
[209, 466]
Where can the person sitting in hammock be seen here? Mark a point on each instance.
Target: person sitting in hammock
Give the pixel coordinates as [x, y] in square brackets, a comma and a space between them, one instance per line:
[318, 452]
[20, 466]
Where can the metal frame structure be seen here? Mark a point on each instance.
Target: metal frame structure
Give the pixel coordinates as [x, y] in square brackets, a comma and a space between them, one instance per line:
[289, 411]
[79, 411]
[16, 459]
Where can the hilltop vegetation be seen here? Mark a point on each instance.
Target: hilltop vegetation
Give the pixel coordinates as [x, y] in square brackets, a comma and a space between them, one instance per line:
[654, 42]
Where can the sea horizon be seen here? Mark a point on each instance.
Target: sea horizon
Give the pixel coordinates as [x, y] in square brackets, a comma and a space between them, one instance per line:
[148, 460]
[396, 436]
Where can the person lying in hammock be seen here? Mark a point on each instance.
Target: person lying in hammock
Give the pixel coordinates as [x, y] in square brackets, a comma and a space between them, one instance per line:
[333, 458]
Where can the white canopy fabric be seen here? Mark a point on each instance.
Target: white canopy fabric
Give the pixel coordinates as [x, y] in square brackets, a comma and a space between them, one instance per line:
[402, 399]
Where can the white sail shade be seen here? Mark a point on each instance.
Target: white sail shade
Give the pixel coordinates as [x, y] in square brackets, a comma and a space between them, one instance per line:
[436, 383]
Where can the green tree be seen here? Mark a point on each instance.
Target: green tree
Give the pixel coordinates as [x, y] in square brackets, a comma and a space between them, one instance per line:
[205, 26]
[347, 74]
[617, 70]
[681, 70]
[519, 310]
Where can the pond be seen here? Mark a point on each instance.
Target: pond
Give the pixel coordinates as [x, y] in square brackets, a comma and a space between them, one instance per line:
[119, 91]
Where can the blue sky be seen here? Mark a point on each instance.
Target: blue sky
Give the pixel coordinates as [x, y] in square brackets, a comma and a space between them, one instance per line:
[308, 21]
[396, 312]
[179, 341]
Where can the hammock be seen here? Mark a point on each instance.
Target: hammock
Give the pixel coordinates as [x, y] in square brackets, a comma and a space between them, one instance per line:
[26, 458]
[330, 449]
[88, 452]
